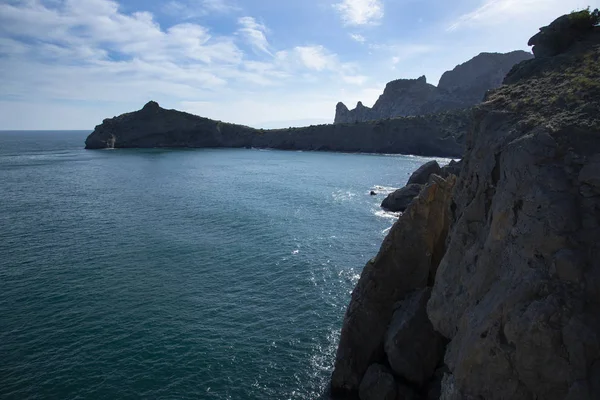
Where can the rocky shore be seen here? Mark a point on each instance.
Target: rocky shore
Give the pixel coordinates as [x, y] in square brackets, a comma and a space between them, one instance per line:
[488, 285]
[152, 126]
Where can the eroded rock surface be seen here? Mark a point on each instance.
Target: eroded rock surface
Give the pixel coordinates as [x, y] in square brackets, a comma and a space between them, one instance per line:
[406, 261]
[378, 384]
[412, 347]
[518, 290]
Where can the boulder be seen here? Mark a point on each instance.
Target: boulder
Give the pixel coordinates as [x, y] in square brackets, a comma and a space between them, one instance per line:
[378, 384]
[401, 198]
[406, 261]
[412, 347]
[421, 175]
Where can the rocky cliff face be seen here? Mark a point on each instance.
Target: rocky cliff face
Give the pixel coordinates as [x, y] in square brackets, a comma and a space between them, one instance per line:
[152, 126]
[462, 87]
[510, 252]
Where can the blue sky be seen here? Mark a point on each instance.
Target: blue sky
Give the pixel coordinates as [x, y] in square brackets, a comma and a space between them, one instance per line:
[68, 64]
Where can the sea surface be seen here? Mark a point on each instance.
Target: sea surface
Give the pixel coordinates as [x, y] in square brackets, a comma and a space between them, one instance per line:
[180, 274]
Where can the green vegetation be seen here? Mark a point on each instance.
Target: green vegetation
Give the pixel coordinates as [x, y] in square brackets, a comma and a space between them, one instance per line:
[585, 19]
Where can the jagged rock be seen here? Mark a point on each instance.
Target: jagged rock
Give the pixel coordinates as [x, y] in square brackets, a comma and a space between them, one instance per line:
[562, 33]
[460, 88]
[422, 174]
[373, 193]
[518, 289]
[412, 347]
[153, 126]
[378, 384]
[401, 198]
[406, 261]
[452, 168]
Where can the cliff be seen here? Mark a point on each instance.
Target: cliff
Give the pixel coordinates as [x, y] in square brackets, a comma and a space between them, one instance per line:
[152, 126]
[503, 260]
[460, 88]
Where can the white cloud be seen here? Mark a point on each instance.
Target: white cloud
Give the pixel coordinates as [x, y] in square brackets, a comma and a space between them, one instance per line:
[360, 12]
[190, 9]
[254, 33]
[317, 58]
[358, 37]
[497, 12]
[94, 56]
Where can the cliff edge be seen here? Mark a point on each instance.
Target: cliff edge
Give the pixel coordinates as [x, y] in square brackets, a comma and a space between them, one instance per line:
[504, 260]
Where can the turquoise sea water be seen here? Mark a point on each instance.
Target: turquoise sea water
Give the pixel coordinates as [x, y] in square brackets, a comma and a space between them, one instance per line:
[175, 274]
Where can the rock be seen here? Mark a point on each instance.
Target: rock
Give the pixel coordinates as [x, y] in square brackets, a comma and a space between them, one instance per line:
[557, 37]
[378, 384]
[405, 392]
[421, 175]
[470, 81]
[453, 168]
[406, 261]
[590, 173]
[401, 198]
[460, 88]
[412, 347]
[373, 193]
[517, 292]
[153, 126]
[433, 390]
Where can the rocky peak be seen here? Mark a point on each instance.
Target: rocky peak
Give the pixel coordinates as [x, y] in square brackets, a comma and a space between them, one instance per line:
[462, 87]
[151, 105]
[563, 32]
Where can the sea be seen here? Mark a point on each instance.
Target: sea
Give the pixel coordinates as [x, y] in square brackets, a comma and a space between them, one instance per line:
[180, 274]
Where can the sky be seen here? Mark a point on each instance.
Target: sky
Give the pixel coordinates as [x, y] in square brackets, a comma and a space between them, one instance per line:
[68, 64]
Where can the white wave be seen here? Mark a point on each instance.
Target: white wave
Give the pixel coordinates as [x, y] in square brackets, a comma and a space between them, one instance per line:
[384, 189]
[387, 214]
[342, 195]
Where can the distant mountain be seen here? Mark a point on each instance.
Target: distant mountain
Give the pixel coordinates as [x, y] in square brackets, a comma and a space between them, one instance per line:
[462, 87]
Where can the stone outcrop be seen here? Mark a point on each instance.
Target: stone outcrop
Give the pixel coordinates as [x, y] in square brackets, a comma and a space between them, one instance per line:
[460, 88]
[412, 347]
[406, 261]
[563, 32]
[401, 198]
[515, 271]
[422, 174]
[378, 384]
[152, 126]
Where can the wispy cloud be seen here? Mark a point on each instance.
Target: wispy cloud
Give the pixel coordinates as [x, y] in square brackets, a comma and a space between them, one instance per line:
[358, 37]
[254, 33]
[360, 12]
[190, 9]
[496, 12]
